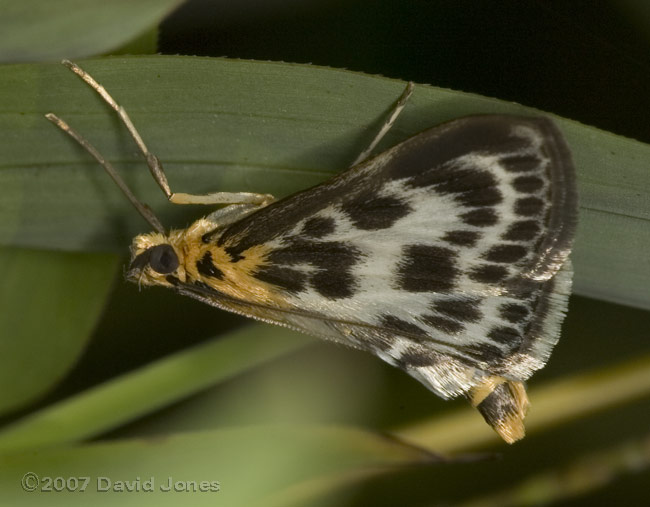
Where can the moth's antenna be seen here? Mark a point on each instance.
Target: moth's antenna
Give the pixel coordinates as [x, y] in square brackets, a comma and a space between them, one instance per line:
[155, 167]
[142, 208]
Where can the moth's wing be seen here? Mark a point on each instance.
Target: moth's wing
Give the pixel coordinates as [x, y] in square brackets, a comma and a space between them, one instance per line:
[445, 255]
[447, 373]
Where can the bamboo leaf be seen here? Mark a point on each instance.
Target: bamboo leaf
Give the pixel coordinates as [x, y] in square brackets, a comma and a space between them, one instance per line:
[49, 303]
[123, 399]
[33, 30]
[584, 475]
[266, 127]
[239, 465]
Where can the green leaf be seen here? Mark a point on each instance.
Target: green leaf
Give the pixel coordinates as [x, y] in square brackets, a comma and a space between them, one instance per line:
[584, 475]
[50, 302]
[123, 399]
[33, 30]
[265, 127]
[244, 465]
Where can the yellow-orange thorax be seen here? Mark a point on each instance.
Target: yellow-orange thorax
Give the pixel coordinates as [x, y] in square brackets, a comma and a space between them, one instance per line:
[209, 264]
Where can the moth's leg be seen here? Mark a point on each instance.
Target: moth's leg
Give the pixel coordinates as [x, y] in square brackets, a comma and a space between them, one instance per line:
[259, 200]
[397, 109]
[154, 164]
[230, 214]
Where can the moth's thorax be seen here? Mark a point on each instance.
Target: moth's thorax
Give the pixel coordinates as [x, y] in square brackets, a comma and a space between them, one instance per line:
[204, 262]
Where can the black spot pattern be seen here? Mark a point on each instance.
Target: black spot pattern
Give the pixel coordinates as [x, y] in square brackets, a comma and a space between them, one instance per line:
[414, 357]
[506, 335]
[426, 268]
[206, 267]
[521, 163]
[333, 261]
[235, 253]
[505, 253]
[513, 312]
[209, 237]
[527, 184]
[318, 227]
[461, 309]
[488, 273]
[200, 285]
[498, 406]
[474, 187]
[480, 217]
[524, 230]
[443, 323]
[484, 352]
[431, 150]
[425, 161]
[286, 278]
[370, 212]
[529, 206]
[481, 197]
[462, 238]
[334, 284]
[397, 325]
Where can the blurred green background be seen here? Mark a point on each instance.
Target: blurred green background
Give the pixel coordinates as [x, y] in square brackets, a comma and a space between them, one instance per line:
[73, 326]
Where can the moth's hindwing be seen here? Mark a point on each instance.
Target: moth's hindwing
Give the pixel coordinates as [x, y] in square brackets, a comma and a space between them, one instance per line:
[445, 256]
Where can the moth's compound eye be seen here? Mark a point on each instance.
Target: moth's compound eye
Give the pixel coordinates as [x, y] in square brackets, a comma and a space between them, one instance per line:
[163, 259]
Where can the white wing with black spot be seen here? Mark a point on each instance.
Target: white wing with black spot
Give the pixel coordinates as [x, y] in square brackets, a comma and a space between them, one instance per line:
[445, 255]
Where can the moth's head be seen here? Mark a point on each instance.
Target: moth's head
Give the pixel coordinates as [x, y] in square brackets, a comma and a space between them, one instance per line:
[156, 259]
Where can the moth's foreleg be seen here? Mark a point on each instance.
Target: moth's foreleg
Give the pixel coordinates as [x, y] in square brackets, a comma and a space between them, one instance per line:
[386, 126]
[153, 162]
[223, 198]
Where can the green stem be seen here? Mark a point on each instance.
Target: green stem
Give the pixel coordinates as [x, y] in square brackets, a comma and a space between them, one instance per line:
[159, 384]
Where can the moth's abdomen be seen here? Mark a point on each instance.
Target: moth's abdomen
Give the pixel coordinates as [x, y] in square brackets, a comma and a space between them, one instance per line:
[503, 404]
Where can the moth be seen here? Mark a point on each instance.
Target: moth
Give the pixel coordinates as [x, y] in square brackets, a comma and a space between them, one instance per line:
[446, 256]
